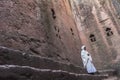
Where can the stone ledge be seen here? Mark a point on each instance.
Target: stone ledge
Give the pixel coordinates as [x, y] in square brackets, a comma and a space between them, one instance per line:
[16, 57]
[15, 72]
[110, 72]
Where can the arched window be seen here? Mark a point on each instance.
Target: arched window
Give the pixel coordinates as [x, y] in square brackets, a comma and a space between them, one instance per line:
[92, 37]
[109, 32]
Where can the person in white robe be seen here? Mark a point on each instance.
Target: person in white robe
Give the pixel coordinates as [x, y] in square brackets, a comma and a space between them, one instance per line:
[87, 61]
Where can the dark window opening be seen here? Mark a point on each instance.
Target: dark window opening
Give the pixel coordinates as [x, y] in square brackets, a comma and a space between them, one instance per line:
[109, 32]
[92, 38]
[53, 13]
[71, 29]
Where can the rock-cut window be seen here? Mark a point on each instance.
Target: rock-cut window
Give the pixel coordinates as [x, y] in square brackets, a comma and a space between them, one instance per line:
[72, 31]
[92, 38]
[109, 32]
[53, 13]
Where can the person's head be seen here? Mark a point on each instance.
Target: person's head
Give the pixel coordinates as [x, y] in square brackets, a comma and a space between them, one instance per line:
[83, 47]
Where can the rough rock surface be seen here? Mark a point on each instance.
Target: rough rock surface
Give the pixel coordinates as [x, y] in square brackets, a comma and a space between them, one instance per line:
[13, 72]
[16, 65]
[40, 27]
[16, 57]
[57, 29]
[98, 25]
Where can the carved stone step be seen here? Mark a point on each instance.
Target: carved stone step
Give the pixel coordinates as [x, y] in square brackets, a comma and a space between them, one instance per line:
[110, 72]
[112, 78]
[14, 72]
[16, 57]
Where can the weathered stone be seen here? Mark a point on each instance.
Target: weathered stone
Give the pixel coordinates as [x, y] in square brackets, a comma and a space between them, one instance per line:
[16, 57]
[13, 72]
[38, 27]
[57, 29]
[98, 18]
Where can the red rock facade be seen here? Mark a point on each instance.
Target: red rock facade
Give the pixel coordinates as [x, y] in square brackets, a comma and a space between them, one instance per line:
[41, 27]
[98, 25]
[58, 28]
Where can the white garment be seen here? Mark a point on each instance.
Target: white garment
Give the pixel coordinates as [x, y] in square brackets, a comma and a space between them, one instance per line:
[87, 61]
[90, 66]
[84, 57]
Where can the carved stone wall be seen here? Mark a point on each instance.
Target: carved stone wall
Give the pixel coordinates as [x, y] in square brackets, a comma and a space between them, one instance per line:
[98, 25]
[40, 27]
